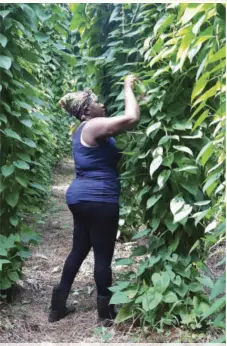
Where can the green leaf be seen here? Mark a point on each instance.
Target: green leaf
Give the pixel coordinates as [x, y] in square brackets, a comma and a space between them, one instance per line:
[205, 281]
[123, 261]
[201, 119]
[29, 142]
[157, 152]
[141, 234]
[190, 187]
[139, 251]
[25, 253]
[217, 306]
[26, 122]
[120, 287]
[7, 170]
[219, 55]
[13, 276]
[3, 40]
[199, 216]
[182, 289]
[124, 314]
[183, 213]
[22, 180]
[202, 203]
[184, 149]
[21, 164]
[12, 134]
[194, 246]
[3, 252]
[155, 164]
[153, 200]
[211, 183]
[177, 281]
[14, 220]
[4, 13]
[200, 85]
[169, 223]
[208, 94]
[2, 116]
[69, 58]
[24, 156]
[176, 204]
[5, 282]
[154, 109]
[3, 261]
[184, 47]
[38, 187]
[205, 153]
[195, 287]
[40, 37]
[170, 297]
[163, 177]
[164, 140]
[219, 287]
[24, 105]
[161, 281]
[168, 160]
[220, 340]
[12, 198]
[5, 62]
[119, 298]
[198, 25]
[190, 13]
[182, 125]
[162, 23]
[151, 299]
[153, 127]
[189, 169]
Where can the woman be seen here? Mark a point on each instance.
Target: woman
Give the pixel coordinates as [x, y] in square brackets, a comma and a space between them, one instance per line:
[93, 197]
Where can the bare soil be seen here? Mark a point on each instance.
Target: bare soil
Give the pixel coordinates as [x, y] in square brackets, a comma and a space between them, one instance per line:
[25, 319]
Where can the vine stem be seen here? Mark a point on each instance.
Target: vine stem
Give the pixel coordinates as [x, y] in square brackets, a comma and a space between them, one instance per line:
[123, 19]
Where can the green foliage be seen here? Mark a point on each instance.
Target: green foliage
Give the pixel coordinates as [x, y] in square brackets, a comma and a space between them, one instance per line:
[14, 249]
[173, 162]
[34, 73]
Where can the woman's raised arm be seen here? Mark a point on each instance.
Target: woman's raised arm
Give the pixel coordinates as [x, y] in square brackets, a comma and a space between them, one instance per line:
[101, 127]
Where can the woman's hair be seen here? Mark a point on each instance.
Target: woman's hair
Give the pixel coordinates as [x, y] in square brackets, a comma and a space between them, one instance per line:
[76, 103]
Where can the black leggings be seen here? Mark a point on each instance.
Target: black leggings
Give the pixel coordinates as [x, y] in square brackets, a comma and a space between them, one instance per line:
[95, 225]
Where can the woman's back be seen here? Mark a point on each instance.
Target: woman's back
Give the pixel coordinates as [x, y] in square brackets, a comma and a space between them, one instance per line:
[96, 171]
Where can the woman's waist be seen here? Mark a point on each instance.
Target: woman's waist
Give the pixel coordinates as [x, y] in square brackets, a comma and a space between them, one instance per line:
[97, 175]
[90, 185]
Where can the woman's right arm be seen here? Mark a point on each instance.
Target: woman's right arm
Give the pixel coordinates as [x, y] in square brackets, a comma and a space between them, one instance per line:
[99, 128]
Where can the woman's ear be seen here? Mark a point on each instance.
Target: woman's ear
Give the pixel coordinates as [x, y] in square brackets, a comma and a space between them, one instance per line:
[61, 104]
[87, 110]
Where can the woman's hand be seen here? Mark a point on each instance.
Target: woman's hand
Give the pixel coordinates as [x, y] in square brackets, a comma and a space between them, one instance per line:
[129, 81]
[102, 127]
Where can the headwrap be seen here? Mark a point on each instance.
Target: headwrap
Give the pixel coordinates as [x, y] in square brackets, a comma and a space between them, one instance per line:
[76, 102]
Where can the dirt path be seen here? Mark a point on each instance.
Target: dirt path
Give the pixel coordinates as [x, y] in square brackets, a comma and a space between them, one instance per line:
[25, 320]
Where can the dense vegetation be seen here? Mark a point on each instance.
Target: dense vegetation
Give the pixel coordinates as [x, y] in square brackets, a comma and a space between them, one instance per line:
[34, 73]
[173, 166]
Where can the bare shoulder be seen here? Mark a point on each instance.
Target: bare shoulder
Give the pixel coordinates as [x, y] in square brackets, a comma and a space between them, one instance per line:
[96, 122]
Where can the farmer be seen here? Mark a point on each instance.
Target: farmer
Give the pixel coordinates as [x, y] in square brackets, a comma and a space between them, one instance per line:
[93, 197]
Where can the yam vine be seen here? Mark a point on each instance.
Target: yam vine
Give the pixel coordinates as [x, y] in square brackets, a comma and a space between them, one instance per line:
[172, 172]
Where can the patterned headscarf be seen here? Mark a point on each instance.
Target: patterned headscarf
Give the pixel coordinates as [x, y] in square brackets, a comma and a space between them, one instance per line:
[76, 102]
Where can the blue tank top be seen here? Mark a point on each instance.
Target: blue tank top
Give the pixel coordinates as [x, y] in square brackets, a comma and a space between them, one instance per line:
[96, 172]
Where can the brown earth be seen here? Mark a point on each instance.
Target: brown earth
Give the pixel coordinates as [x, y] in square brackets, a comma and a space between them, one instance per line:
[25, 319]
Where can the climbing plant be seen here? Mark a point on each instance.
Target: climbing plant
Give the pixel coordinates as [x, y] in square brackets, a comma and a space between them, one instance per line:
[172, 175]
[172, 171]
[35, 70]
